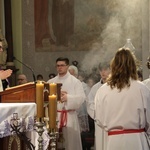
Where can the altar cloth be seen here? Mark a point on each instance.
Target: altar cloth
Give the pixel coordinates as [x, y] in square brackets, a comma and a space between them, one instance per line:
[22, 114]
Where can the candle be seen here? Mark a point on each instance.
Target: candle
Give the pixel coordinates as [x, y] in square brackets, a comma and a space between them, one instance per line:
[52, 111]
[53, 89]
[40, 99]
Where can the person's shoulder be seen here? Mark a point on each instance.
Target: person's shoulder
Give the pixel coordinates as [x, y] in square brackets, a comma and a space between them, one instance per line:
[98, 84]
[52, 80]
[74, 78]
[136, 82]
[142, 85]
[145, 88]
[95, 86]
[76, 81]
[85, 85]
[103, 90]
[146, 81]
[104, 87]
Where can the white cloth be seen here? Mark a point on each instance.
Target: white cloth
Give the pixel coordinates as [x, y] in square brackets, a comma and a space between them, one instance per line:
[90, 99]
[16, 113]
[75, 98]
[128, 109]
[82, 111]
[86, 88]
[100, 134]
[147, 82]
[1, 86]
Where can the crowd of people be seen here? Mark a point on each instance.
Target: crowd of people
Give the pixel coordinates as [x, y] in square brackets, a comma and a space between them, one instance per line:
[118, 103]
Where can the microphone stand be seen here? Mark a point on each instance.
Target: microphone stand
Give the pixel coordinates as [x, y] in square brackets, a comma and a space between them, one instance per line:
[34, 79]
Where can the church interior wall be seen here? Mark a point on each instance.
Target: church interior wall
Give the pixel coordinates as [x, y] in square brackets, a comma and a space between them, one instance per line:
[110, 28]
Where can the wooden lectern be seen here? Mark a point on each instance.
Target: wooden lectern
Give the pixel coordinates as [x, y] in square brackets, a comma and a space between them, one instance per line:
[19, 94]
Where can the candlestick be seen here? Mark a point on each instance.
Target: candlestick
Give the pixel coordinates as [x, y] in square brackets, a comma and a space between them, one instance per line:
[52, 111]
[53, 89]
[39, 99]
[40, 131]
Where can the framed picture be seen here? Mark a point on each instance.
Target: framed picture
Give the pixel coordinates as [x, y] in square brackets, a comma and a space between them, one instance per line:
[62, 25]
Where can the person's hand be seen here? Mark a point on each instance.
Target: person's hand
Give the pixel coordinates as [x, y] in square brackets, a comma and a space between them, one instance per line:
[63, 96]
[4, 74]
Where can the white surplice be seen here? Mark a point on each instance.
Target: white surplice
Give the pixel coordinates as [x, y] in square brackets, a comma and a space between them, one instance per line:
[82, 111]
[100, 134]
[128, 109]
[147, 82]
[1, 86]
[75, 98]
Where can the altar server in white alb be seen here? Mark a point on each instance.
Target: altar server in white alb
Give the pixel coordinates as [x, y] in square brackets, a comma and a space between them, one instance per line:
[72, 97]
[147, 81]
[82, 111]
[100, 134]
[123, 105]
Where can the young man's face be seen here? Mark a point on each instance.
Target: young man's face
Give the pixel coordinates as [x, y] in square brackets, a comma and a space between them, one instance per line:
[104, 73]
[62, 67]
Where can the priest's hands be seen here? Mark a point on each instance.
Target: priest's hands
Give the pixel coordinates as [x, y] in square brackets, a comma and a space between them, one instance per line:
[4, 74]
[63, 96]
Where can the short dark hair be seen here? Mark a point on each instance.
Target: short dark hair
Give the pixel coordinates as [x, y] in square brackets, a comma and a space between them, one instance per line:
[66, 60]
[39, 76]
[103, 65]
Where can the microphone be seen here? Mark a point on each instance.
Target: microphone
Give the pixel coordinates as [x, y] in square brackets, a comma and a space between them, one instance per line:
[34, 79]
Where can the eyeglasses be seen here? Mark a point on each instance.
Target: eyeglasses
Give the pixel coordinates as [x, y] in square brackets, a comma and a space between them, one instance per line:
[61, 65]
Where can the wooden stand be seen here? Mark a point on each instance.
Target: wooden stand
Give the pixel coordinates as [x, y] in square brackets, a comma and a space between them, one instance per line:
[19, 94]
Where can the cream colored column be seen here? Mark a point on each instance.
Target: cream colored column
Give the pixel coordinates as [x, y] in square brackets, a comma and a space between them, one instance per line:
[145, 36]
[2, 21]
[16, 7]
